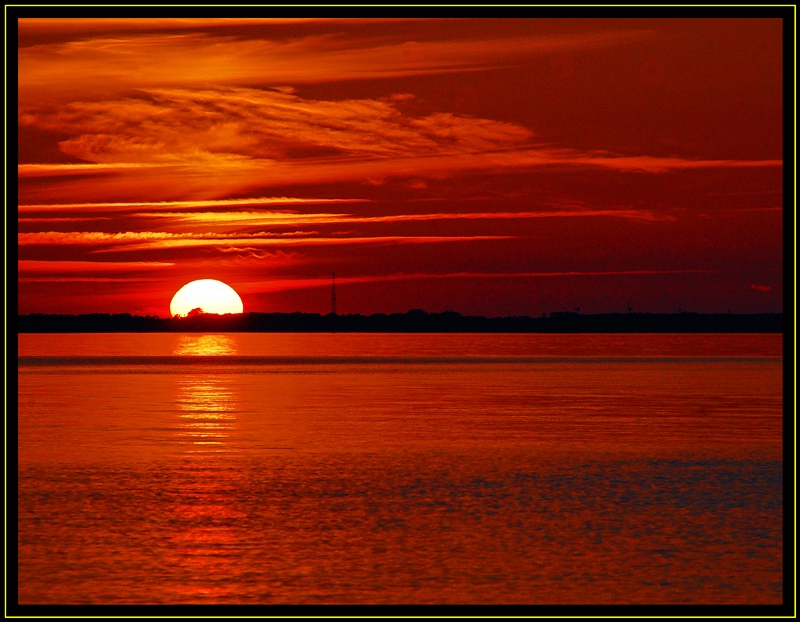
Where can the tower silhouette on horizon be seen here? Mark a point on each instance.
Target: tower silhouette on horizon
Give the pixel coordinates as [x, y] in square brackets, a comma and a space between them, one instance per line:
[333, 294]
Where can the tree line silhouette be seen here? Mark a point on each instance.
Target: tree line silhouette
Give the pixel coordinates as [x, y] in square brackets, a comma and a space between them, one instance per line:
[415, 321]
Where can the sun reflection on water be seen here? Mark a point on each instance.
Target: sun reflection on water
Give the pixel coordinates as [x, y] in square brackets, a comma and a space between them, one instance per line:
[207, 540]
[206, 345]
[207, 415]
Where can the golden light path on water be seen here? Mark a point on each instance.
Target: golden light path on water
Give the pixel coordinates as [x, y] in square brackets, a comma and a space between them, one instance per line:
[206, 345]
[206, 401]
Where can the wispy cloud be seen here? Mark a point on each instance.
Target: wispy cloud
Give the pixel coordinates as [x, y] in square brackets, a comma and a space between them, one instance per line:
[283, 219]
[62, 170]
[159, 205]
[32, 265]
[650, 164]
[42, 219]
[82, 27]
[209, 180]
[148, 240]
[85, 279]
[281, 284]
[65, 271]
[140, 60]
[222, 126]
[212, 143]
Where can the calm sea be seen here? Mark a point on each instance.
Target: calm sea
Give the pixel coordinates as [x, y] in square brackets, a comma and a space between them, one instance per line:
[377, 468]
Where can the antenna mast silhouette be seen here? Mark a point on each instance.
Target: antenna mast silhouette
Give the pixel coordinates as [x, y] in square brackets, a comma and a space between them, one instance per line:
[333, 294]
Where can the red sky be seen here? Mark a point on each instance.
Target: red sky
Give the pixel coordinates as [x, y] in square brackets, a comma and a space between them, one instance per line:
[491, 167]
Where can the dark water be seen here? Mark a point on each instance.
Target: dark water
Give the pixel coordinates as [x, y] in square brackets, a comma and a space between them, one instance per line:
[400, 469]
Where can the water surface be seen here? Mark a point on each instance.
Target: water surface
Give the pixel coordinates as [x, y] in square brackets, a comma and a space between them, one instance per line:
[362, 468]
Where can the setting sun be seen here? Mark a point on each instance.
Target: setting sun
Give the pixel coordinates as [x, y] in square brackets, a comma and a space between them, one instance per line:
[208, 295]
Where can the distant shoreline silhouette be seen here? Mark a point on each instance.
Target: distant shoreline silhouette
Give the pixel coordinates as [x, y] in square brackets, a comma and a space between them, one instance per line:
[415, 321]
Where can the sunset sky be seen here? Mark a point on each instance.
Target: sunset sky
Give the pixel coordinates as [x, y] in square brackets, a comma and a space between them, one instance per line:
[491, 167]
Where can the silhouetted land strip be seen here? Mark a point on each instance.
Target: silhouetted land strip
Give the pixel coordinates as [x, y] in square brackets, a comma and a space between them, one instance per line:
[415, 321]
